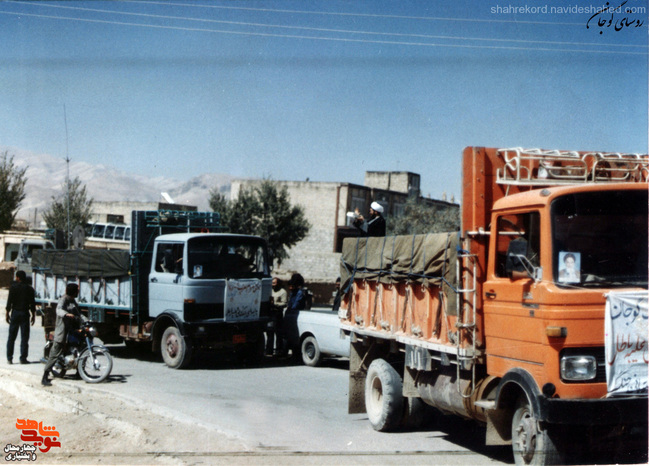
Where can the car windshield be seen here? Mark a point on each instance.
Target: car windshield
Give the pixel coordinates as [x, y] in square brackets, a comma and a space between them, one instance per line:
[600, 239]
[212, 257]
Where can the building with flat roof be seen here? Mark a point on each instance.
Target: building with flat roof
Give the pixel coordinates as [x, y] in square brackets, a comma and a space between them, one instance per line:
[317, 257]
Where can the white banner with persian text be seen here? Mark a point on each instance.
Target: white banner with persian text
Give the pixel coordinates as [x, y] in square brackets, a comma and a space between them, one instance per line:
[626, 330]
[242, 300]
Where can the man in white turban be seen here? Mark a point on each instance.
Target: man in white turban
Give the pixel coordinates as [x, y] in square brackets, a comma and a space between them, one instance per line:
[375, 226]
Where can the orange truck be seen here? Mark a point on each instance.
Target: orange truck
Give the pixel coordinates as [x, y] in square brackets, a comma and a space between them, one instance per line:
[503, 322]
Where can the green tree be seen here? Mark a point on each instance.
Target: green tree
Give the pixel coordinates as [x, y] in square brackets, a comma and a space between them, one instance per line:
[418, 218]
[56, 215]
[12, 190]
[220, 203]
[264, 210]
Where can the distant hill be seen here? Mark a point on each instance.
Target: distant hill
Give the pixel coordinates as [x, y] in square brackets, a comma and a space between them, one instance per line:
[46, 175]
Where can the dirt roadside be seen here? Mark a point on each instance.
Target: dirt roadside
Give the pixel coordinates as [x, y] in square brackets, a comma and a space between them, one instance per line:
[97, 428]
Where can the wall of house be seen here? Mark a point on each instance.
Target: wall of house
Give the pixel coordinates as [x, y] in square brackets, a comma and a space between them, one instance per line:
[402, 182]
[101, 210]
[313, 257]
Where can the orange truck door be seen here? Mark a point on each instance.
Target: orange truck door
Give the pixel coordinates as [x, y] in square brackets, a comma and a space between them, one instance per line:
[512, 326]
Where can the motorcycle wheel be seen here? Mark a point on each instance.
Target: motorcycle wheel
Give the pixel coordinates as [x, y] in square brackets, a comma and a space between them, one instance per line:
[95, 367]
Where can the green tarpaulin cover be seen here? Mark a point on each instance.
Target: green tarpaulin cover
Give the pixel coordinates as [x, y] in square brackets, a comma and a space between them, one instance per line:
[82, 263]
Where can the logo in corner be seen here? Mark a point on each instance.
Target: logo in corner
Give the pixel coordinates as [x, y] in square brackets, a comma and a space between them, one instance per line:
[38, 437]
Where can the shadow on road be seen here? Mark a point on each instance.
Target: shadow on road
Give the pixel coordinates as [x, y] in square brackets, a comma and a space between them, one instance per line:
[468, 434]
[232, 361]
[117, 378]
[205, 360]
[141, 352]
[113, 378]
[471, 435]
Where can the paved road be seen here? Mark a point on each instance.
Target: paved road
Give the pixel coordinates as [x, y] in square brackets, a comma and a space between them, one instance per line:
[280, 406]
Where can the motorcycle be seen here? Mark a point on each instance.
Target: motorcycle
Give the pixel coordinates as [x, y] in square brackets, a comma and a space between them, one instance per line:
[93, 362]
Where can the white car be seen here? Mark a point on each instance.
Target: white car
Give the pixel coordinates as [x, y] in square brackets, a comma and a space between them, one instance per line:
[316, 334]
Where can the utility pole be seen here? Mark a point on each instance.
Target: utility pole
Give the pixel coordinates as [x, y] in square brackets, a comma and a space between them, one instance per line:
[67, 176]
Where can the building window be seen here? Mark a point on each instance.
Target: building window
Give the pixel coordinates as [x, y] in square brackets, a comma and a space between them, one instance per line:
[398, 208]
[110, 218]
[11, 251]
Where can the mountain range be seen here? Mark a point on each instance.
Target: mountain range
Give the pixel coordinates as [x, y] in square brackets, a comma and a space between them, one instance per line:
[46, 176]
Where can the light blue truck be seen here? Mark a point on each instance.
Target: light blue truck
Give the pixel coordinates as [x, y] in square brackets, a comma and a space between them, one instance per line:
[181, 287]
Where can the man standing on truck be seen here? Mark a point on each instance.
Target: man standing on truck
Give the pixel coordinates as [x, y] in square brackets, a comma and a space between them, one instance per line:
[68, 317]
[19, 303]
[375, 225]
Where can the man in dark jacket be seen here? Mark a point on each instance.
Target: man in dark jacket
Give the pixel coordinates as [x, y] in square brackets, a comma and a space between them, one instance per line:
[296, 303]
[68, 317]
[19, 304]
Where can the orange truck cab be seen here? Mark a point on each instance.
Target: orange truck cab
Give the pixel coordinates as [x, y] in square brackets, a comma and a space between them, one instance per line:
[532, 320]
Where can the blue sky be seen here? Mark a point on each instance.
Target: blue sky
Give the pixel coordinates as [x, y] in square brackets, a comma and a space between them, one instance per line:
[319, 89]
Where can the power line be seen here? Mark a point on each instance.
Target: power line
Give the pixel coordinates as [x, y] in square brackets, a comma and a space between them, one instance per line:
[367, 15]
[331, 39]
[309, 28]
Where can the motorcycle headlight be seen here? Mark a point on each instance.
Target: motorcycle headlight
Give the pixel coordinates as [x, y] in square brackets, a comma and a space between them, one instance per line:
[92, 331]
[578, 367]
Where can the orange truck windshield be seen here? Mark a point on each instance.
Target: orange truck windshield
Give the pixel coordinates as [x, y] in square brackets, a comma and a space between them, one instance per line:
[600, 239]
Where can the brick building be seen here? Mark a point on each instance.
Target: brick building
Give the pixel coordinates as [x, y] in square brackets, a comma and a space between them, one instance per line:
[326, 205]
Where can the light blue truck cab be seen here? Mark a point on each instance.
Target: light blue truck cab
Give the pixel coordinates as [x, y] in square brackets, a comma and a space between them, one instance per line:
[208, 290]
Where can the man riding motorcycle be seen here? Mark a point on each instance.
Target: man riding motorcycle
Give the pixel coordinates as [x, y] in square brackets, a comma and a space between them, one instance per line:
[68, 318]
